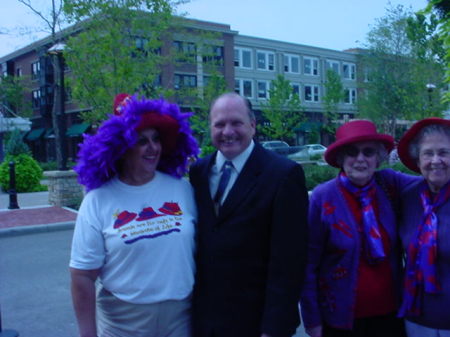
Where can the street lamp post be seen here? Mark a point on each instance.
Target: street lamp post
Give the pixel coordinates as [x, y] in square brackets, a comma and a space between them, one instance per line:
[59, 117]
[430, 88]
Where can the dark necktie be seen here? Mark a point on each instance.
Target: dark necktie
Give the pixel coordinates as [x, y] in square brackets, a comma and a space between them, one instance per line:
[224, 179]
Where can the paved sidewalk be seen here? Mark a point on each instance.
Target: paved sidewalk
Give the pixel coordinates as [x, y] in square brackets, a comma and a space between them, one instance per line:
[25, 199]
[34, 215]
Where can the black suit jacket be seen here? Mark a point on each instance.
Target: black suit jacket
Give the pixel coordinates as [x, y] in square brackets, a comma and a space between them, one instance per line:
[251, 256]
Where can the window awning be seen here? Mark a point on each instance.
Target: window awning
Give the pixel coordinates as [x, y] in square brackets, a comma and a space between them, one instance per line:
[77, 129]
[49, 133]
[34, 134]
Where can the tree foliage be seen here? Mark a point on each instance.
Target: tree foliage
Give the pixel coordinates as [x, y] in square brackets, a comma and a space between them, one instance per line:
[283, 111]
[53, 20]
[402, 57]
[442, 9]
[334, 93]
[117, 49]
[12, 94]
[214, 87]
[16, 145]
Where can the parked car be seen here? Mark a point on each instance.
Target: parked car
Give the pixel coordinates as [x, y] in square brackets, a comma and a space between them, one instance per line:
[278, 146]
[308, 152]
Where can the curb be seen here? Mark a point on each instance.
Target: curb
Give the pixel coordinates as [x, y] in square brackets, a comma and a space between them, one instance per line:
[33, 229]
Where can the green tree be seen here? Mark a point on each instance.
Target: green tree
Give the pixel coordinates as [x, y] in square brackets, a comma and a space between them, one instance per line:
[16, 145]
[214, 87]
[117, 49]
[283, 110]
[397, 71]
[52, 21]
[442, 9]
[12, 94]
[334, 93]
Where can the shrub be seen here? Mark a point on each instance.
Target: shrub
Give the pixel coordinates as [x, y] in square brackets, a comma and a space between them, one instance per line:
[48, 166]
[53, 165]
[316, 174]
[399, 167]
[28, 173]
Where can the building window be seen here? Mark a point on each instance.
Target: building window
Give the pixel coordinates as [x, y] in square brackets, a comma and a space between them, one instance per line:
[185, 51]
[243, 58]
[350, 95]
[265, 60]
[310, 66]
[291, 64]
[4, 69]
[263, 89]
[368, 75]
[214, 55]
[185, 81]
[311, 93]
[295, 89]
[141, 43]
[67, 94]
[35, 70]
[333, 65]
[36, 99]
[19, 72]
[244, 87]
[349, 71]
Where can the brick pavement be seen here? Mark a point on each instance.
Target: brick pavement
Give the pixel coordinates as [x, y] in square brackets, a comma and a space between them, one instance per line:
[36, 216]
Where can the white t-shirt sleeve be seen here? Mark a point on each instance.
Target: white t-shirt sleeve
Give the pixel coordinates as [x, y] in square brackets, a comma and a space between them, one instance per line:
[88, 246]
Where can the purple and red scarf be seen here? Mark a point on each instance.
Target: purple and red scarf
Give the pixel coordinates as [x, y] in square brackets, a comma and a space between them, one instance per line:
[421, 272]
[372, 243]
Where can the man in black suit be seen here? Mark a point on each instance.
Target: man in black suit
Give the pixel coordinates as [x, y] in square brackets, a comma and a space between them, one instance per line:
[252, 239]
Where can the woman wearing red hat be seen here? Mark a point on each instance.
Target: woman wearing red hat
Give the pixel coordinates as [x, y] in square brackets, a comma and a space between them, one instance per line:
[425, 230]
[353, 274]
[134, 232]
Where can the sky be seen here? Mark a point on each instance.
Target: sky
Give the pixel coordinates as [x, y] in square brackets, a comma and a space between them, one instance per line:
[332, 24]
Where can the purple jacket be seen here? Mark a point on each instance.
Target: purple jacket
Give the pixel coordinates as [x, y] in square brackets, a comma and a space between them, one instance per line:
[329, 291]
[435, 307]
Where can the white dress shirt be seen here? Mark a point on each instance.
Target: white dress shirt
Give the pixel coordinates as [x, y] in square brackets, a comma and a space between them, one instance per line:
[216, 170]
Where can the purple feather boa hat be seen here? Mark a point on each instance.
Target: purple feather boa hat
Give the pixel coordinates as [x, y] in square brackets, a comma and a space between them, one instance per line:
[99, 153]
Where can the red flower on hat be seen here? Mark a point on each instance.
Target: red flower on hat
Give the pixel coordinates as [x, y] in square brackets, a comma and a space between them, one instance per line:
[119, 102]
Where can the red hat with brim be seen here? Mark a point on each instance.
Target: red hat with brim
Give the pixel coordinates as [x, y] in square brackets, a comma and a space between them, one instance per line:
[166, 125]
[354, 132]
[408, 137]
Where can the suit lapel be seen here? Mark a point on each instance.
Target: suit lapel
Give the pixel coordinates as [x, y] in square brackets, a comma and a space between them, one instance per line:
[203, 187]
[245, 182]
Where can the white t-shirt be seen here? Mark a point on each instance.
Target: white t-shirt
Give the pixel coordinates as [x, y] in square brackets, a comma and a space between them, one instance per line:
[142, 238]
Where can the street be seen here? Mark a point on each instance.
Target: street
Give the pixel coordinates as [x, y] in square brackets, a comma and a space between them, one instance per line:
[34, 285]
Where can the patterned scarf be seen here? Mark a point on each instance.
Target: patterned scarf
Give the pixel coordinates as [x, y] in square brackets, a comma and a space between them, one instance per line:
[373, 244]
[421, 274]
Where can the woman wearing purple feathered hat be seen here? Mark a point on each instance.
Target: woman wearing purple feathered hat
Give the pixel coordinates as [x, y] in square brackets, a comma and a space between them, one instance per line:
[135, 227]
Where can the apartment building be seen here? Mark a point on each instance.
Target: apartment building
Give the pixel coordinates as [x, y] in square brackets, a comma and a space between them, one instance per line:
[258, 61]
[247, 63]
[34, 62]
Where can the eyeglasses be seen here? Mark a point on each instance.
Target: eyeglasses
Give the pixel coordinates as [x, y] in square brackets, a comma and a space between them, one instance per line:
[353, 151]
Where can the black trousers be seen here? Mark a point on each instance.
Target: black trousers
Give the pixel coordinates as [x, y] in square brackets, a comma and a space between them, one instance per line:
[376, 326]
